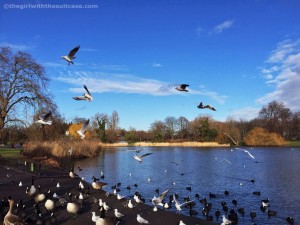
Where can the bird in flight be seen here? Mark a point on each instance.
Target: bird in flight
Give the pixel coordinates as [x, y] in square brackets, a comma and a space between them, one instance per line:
[246, 151]
[86, 96]
[158, 200]
[81, 132]
[71, 55]
[182, 87]
[201, 106]
[139, 158]
[43, 118]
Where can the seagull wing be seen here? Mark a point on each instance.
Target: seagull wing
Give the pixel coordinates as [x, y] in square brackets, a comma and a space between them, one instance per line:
[183, 86]
[211, 107]
[73, 52]
[249, 154]
[142, 156]
[200, 106]
[182, 204]
[244, 150]
[44, 117]
[87, 90]
[84, 126]
[163, 195]
[79, 98]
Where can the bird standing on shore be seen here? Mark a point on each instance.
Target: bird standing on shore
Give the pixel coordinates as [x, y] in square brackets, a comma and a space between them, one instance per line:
[11, 218]
[98, 185]
[69, 58]
[141, 220]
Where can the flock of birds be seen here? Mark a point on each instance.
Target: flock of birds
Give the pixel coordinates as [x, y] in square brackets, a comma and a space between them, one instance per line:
[87, 96]
[73, 203]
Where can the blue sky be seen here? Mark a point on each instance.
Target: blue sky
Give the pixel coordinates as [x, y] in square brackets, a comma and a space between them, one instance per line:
[236, 55]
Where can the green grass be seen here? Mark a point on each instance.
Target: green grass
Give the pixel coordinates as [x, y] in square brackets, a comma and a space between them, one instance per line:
[10, 152]
[293, 143]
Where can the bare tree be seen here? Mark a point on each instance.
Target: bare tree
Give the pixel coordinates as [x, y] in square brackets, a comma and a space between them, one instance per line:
[23, 84]
[171, 126]
[114, 121]
[275, 117]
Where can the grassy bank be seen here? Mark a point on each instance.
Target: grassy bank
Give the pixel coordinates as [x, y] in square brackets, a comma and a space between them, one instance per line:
[293, 144]
[10, 152]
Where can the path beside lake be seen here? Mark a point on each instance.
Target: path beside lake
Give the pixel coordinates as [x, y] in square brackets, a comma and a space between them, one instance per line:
[12, 171]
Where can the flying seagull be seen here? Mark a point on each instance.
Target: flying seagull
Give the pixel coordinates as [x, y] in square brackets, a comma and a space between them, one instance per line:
[81, 132]
[182, 87]
[86, 96]
[139, 158]
[43, 118]
[71, 55]
[246, 152]
[201, 106]
[158, 200]
[178, 205]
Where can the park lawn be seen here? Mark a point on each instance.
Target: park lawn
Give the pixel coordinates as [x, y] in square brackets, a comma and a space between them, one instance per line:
[293, 144]
[10, 152]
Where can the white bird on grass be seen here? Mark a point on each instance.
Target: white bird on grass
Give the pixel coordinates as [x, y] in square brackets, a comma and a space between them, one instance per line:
[43, 118]
[244, 150]
[71, 55]
[82, 131]
[141, 220]
[86, 96]
[139, 158]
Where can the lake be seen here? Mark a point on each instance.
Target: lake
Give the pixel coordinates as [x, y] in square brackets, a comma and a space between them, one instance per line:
[275, 172]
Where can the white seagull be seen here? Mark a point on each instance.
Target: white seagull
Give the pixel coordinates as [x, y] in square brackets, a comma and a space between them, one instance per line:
[182, 87]
[178, 205]
[158, 200]
[201, 106]
[43, 118]
[71, 55]
[139, 158]
[81, 132]
[181, 222]
[246, 152]
[86, 96]
[141, 220]
[118, 214]
[225, 221]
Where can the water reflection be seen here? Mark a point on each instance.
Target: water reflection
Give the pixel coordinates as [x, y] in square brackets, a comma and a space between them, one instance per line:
[274, 170]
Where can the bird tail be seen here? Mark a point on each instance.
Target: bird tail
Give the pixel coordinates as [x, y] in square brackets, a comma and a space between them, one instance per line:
[49, 122]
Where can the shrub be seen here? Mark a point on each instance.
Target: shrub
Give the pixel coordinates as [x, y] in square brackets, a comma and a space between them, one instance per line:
[261, 137]
[80, 149]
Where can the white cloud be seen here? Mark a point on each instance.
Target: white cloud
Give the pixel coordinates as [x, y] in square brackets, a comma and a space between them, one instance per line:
[99, 82]
[286, 77]
[223, 26]
[19, 47]
[247, 113]
[156, 65]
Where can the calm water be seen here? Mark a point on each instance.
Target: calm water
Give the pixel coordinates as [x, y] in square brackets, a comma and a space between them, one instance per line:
[276, 172]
